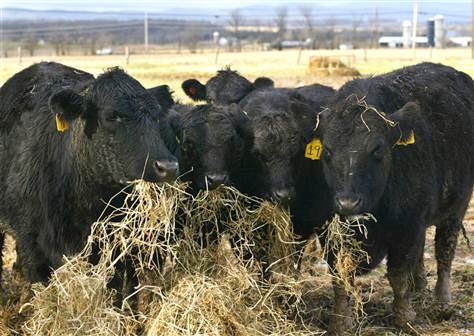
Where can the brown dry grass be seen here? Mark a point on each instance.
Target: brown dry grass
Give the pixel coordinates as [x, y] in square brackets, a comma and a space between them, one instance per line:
[209, 288]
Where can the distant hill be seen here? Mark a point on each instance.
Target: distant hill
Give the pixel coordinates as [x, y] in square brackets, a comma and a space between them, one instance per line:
[453, 11]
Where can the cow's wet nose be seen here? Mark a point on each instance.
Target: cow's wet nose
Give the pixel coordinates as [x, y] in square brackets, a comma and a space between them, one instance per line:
[283, 196]
[215, 180]
[166, 170]
[348, 204]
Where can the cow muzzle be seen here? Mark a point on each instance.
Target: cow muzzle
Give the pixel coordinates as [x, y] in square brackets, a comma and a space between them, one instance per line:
[215, 180]
[348, 204]
[283, 195]
[166, 170]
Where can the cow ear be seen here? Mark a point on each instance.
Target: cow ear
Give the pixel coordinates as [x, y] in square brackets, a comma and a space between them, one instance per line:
[164, 95]
[66, 106]
[263, 82]
[242, 123]
[194, 89]
[171, 130]
[405, 118]
[320, 117]
[176, 123]
[304, 114]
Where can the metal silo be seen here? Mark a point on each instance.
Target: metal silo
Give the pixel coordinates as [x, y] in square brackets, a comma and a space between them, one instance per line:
[406, 29]
[431, 32]
[439, 31]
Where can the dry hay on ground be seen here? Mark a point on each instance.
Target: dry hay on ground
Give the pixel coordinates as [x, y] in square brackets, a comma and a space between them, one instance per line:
[209, 286]
[327, 66]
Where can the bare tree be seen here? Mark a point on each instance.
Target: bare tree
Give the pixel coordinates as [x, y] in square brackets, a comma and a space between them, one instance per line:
[375, 30]
[331, 32]
[281, 23]
[92, 44]
[235, 22]
[307, 14]
[61, 43]
[190, 38]
[356, 21]
[30, 43]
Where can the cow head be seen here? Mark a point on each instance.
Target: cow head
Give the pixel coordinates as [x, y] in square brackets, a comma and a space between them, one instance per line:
[225, 88]
[359, 141]
[281, 127]
[114, 126]
[214, 140]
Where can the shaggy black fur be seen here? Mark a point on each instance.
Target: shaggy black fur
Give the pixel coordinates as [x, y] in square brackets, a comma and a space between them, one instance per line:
[214, 143]
[281, 125]
[54, 184]
[227, 87]
[406, 187]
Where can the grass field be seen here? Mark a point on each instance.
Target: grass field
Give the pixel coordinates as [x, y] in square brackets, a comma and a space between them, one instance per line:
[172, 69]
[282, 66]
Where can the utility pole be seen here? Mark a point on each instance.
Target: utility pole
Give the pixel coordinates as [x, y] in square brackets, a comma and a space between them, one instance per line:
[415, 24]
[146, 32]
[375, 31]
[472, 30]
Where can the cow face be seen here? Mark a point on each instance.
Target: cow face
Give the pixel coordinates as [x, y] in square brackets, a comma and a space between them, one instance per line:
[281, 128]
[115, 125]
[358, 145]
[225, 88]
[213, 143]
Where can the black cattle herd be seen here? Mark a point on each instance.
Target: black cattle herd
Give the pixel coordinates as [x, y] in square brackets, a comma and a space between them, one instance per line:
[399, 146]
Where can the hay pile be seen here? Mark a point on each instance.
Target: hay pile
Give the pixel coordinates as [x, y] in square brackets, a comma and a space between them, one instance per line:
[200, 263]
[327, 66]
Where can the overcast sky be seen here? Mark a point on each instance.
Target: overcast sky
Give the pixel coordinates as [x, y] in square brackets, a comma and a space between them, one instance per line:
[159, 5]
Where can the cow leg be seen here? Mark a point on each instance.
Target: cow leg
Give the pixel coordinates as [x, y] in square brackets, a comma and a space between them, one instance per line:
[402, 262]
[446, 239]
[419, 276]
[124, 282]
[34, 264]
[2, 242]
[402, 311]
[341, 319]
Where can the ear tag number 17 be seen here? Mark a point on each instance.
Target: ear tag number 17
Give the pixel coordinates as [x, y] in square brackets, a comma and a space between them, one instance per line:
[314, 149]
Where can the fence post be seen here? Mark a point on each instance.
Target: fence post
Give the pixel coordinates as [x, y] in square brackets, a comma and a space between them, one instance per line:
[299, 55]
[127, 55]
[19, 55]
[216, 59]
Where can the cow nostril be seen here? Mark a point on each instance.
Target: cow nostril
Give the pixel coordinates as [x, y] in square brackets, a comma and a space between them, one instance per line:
[215, 180]
[166, 170]
[348, 203]
[282, 195]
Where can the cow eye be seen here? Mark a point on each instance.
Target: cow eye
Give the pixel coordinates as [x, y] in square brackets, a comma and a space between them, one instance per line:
[327, 154]
[114, 118]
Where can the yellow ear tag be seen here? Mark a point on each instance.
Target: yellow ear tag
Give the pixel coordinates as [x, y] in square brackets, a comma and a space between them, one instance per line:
[314, 149]
[61, 125]
[409, 141]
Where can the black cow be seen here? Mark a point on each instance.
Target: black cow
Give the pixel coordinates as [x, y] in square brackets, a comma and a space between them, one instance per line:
[213, 139]
[318, 95]
[214, 143]
[401, 146]
[69, 142]
[281, 125]
[225, 88]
